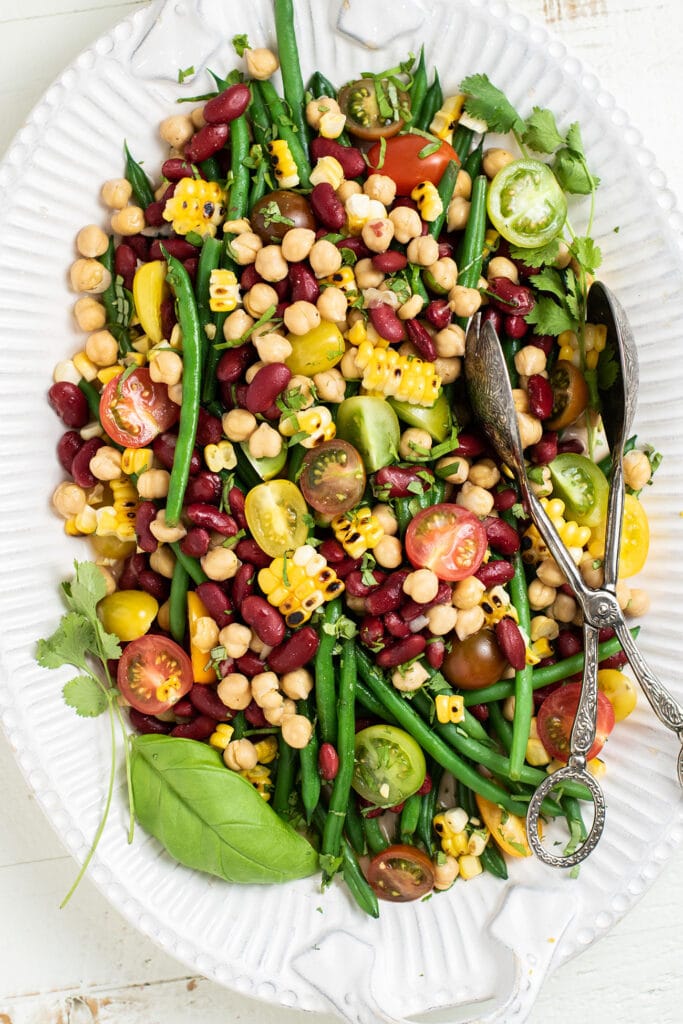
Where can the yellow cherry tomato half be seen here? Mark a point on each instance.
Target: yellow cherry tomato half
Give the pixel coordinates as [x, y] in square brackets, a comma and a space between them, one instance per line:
[316, 351]
[507, 830]
[149, 291]
[635, 539]
[277, 516]
[110, 546]
[619, 690]
[128, 613]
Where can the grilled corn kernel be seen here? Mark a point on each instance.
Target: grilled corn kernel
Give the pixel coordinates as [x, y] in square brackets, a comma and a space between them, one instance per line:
[316, 423]
[197, 206]
[327, 171]
[358, 531]
[428, 200]
[470, 867]
[360, 208]
[224, 291]
[260, 778]
[266, 749]
[446, 119]
[403, 377]
[221, 736]
[136, 460]
[450, 707]
[297, 584]
[220, 456]
[453, 837]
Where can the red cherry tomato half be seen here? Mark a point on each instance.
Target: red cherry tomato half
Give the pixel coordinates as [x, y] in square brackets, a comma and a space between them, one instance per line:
[134, 409]
[556, 717]
[404, 165]
[154, 673]
[447, 539]
[401, 873]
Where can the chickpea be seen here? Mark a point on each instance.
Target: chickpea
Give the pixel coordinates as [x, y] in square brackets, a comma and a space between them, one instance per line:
[521, 399]
[549, 572]
[270, 263]
[163, 561]
[240, 755]
[409, 678]
[166, 367]
[236, 325]
[106, 463]
[236, 227]
[116, 193]
[530, 429]
[297, 243]
[272, 348]
[441, 619]
[500, 266]
[317, 108]
[175, 393]
[386, 519]
[276, 715]
[637, 470]
[484, 473]
[564, 608]
[461, 468]
[197, 117]
[325, 258]
[235, 691]
[177, 130]
[463, 301]
[495, 160]
[422, 585]
[89, 276]
[296, 731]
[109, 580]
[261, 63]
[445, 273]
[545, 487]
[162, 531]
[90, 315]
[297, 684]
[446, 870]
[407, 225]
[205, 633]
[458, 213]
[220, 563]
[333, 305]
[258, 647]
[463, 185]
[411, 308]
[448, 369]
[102, 348]
[348, 365]
[367, 275]
[265, 442]
[348, 189]
[529, 360]
[330, 385]
[300, 387]
[388, 552]
[244, 248]
[91, 241]
[469, 621]
[259, 298]
[623, 594]
[638, 603]
[423, 250]
[475, 499]
[235, 638]
[301, 317]
[414, 443]
[154, 483]
[468, 593]
[377, 234]
[69, 499]
[129, 221]
[541, 595]
[543, 626]
[380, 187]
[238, 424]
[265, 689]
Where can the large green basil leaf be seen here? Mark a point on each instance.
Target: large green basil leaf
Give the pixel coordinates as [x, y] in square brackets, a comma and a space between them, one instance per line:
[210, 818]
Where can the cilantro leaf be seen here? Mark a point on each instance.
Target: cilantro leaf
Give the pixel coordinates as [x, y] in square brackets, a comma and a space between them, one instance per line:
[86, 696]
[538, 257]
[240, 44]
[69, 644]
[541, 133]
[574, 140]
[608, 369]
[86, 590]
[547, 317]
[486, 101]
[550, 280]
[587, 253]
[571, 171]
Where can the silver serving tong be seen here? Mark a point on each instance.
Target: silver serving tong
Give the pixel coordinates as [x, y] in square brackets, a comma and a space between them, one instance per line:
[492, 401]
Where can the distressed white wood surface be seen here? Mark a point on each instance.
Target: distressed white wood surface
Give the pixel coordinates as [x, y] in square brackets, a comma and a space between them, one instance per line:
[86, 964]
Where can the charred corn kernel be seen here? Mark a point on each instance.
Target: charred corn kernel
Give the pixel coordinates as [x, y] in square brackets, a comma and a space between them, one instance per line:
[574, 535]
[332, 124]
[470, 867]
[428, 200]
[495, 604]
[108, 373]
[345, 279]
[220, 456]
[446, 119]
[118, 519]
[224, 291]
[136, 460]
[592, 359]
[554, 507]
[221, 736]
[266, 749]
[284, 167]
[453, 840]
[404, 377]
[358, 531]
[450, 707]
[358, 333]
[202, 669]
[327, 171]
[85, 522]
[360, 209]
[316, 423]
[86, 367]
[195, 205]
[260, 779]
[299, 583]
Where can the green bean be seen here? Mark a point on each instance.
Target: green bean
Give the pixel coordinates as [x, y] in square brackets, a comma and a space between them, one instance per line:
[501, 726]
[325, 690]
[445, 190]
[341, 787]
[493, 861]
[353, 826]
[92, 397]
[425, 828]
[284, 779]
[374, 837]
[471, 257]
[371, 704]
[259, 183]
[138, 180]
[246, 470]
[258, 116]
[308, 761]
[238, 200]
[418, 89]
[190, 565]
[177, 602]
[473, 162]
[416, 283]
[295, 458]
[524, 694]
[404, 513]
[188, 318]
[109, 300]
[209, 259]
[284, 130]
[410, 815]
[432, 102]
[511, 347]
[547, 674]
[572, 810]
[290, 68]
[357, 883]
[211, 169]
[462, 138]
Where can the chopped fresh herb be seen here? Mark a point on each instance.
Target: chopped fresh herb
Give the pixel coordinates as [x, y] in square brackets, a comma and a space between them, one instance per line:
[367, 567]
[240, 44]
[185, 73]
[517, 510]
[429, 149]
[547, 317]
[537, 257]
[541, 133]
[485, 101]
[273, 215]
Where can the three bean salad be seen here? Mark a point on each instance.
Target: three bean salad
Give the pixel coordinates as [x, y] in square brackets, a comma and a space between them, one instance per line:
[313, 591]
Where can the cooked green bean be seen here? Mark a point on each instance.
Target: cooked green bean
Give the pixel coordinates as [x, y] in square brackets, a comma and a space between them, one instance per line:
[374, 836]
[139, 182]
[190, 565]
[177, 602]
[445, 190]
[346, 716]
[308, 762]
[284, 778]
[325, 689]
[284, 130]
[524, 694]
[290, 67]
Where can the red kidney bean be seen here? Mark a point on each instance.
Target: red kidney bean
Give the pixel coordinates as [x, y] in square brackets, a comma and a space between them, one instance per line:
[205, 699]
[411, 610]
[445, 250]
[386, 322]
[493, 317]
[480, 712]
[191, 268]
[140, 246]
[327, 207]
[346, 566]
[394, 624]
[184, 708]
[494, 574]
[125, 262]
[426, 786]
[389, 596]
[80, 466]
[163, 447]
[545, 450]
[236, 502]
[211, 518]
[147, 724]
[605, 633]
[270, 381]
[70, 404]
[405, 201]
[228, 105]
[205, 487]
[255, 716]
[356, 585]
[390, 262]
[155, 584]
[435, 654]
[438, 312]
[248, 551]
[243, 583]
[502, 537]
[515, 326]
[617, 660]
[196, 542]
[295, 652]
[570, 444]
[216, 602]
[564, 588]
[206, 142]
[281, 309]
[133, 566]
[328, 762]
[399, 481]
[350, 158]
[154, 214]
[504, 500]
[332, 551]
[177, 247]
[303, 284]
[250, 664]
[357, 247]
[145, 515]
[404, 650]
[371, 630]
[421, 339]
[568, 644]
[470, 445]
[68, 445]
[168, 317]
[540, 396]
[511, 642]
[545, 691]
[264, 619]
[199, 729]
[509, 298]
[545, 342]
[249, 277]
[176, 168]
[370, 811]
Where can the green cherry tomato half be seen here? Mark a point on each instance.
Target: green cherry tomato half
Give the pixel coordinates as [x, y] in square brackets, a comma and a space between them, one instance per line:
[389, 765]
[583, 488]
[128, 613]
[435, 419]
[447, 539]
[269, 466]
[153, 674]
[404, 165]
[332, 477]
[370, 112]
[401, 873]
[371, 426]
[277, 516]
[526, 203]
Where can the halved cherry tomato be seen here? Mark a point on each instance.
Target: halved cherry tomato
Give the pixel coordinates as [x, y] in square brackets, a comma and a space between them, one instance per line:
[374, 108]
[475, 662]
[507, 830]
[318, 350]
[389, 765]
[619, 690]
[401, 873]
[276, 516]
[527, 204]
[447, 539]
[371, 426]
[635, 538]
[134, 409]
[128, 613]
[556, 717]
[582, 486]
[404, 165]
[332, 477]
[570, 394]
[153, 674]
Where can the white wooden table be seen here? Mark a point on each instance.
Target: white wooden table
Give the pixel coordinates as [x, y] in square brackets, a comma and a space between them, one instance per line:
[85, 964]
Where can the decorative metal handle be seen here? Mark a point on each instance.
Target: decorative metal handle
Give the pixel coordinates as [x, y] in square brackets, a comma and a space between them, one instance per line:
[585, 722]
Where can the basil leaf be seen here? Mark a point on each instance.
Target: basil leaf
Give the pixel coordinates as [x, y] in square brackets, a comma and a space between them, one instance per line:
[210, 818]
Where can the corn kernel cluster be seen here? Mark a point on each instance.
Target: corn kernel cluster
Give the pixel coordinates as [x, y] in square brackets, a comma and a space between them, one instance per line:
[284, 166]
[446, 118]
[299, 583]
[573, 536]
[195, 205]
[224, 291]
[358, 531]
[463, 838]
[403, 377]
